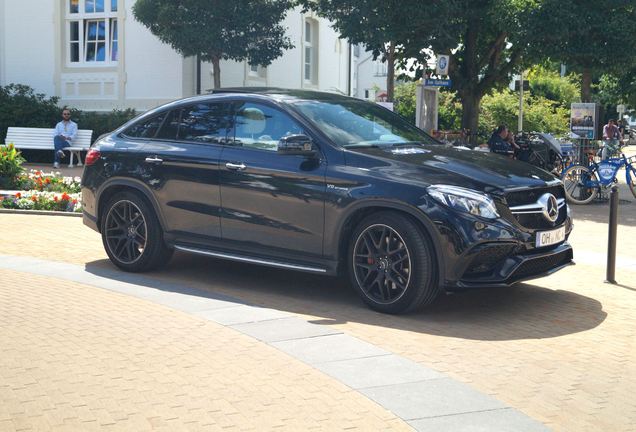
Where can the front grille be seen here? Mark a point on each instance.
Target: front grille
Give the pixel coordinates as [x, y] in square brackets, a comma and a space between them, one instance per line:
[530, 196]
[540, 265]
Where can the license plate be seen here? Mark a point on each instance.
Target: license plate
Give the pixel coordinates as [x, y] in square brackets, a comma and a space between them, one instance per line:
[547, 238]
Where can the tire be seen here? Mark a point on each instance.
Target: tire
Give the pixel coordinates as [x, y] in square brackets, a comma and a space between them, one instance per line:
[132, 235]
[573, 180]
[632, 184]
[391, 264]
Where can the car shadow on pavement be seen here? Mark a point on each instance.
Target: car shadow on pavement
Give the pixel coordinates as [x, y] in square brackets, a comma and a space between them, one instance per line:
[525, 311]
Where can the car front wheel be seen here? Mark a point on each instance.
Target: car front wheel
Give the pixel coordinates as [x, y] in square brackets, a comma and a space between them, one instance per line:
[391, 264]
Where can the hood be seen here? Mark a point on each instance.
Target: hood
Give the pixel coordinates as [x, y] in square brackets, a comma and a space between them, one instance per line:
[439, 164]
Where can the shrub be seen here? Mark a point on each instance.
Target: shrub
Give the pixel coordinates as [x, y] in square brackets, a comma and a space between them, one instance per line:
[21, 106]
[405, 100]
[10, 166]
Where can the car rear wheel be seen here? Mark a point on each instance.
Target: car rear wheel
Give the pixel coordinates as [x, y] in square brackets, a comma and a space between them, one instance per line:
[391, 264]
[132, 235]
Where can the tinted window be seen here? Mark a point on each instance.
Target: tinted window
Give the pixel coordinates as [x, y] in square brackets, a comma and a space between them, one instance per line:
[358, 123]
[170, 127]
[260, 126]
[206, 122]
[146, 128]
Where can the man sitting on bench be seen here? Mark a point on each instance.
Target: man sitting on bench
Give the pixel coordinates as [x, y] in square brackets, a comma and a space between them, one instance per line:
[65, 132]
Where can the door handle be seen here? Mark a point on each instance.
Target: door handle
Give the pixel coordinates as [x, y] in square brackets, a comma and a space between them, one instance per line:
[235, 167]
[154, 160]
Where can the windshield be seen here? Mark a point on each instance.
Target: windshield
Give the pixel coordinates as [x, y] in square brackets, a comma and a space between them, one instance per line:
[352, 123]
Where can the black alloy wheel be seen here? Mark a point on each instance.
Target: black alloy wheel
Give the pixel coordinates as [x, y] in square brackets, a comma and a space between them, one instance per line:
[391, 264]
[125, 231]
[132, 234]
[382, 264]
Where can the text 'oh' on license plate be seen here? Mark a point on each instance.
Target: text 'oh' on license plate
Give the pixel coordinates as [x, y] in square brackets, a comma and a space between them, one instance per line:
[547, 238]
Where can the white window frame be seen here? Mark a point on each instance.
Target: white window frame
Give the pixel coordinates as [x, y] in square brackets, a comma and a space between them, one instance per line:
[310, 51]
[83, 18]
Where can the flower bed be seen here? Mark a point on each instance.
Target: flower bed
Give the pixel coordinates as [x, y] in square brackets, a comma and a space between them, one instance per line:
[44, 191]
[36, 200]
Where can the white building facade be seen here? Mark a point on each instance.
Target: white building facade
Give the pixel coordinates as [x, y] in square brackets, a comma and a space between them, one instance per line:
[94, 55]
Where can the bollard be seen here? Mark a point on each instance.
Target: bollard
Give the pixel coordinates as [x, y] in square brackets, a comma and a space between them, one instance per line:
[611, 239]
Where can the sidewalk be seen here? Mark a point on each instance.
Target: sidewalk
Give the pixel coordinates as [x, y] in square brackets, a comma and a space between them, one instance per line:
[559, 349]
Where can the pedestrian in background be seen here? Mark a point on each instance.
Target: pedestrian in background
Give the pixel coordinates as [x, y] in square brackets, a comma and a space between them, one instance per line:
[65, 132]
[611, 136]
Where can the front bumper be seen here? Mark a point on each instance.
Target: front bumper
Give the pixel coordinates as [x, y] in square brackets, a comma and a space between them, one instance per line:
[517, 268]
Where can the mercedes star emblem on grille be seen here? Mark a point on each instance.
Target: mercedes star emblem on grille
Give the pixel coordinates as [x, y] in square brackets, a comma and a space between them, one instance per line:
[550, 207]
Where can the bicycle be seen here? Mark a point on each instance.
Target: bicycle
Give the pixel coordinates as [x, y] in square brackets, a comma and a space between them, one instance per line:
[583, 183]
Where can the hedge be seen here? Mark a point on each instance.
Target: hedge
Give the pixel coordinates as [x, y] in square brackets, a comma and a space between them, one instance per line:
[21, 106]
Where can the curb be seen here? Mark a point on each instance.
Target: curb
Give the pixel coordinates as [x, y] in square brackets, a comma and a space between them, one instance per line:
[40, 212]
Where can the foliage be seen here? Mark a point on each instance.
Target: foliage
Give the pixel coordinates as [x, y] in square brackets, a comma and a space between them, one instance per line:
[450, 111]
[219, 29]
[101, 123]
[10, 165]
[51, 201]
[551, 85]
[540, 114]
[405, 100]
[21, 106]
[590, 36]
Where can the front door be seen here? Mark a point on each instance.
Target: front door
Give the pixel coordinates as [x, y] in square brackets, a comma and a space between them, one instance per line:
[184, 168]
[272, 203]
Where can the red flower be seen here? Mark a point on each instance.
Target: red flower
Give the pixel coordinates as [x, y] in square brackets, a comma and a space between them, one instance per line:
[18, 195]
[65, 197]
[55, 198]
[48, 180]
[74, 201]
[34, 198]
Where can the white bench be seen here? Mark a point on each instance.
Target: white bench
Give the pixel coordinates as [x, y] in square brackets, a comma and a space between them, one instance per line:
[42, 139]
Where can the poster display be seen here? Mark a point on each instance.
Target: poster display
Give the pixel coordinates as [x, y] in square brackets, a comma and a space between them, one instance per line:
[583, 120]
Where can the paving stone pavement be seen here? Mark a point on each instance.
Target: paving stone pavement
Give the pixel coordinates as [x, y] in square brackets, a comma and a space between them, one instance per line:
[560, 349]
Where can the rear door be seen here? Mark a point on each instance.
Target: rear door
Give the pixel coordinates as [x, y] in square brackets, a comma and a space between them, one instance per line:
[273, 203]
[183, 169]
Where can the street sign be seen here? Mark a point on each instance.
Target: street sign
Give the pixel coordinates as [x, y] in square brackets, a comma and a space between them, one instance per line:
[526, 85]
[437, 82]
[442, 65]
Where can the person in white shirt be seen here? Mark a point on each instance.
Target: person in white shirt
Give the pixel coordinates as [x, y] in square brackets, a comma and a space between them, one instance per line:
[65, 132]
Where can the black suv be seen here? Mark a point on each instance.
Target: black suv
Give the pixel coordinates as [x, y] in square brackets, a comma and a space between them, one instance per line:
[321, 183]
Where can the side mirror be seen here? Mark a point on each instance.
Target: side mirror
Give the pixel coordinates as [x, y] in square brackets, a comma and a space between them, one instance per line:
[299, 145]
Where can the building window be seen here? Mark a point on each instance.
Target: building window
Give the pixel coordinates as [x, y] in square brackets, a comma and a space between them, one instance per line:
[310, 57]
[92, 32]
[256, 72]
[380, 68]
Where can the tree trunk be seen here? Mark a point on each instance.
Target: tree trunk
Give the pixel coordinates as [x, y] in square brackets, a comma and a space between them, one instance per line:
[586, 86]
[390, 76]
[216, 71]
[470, 114]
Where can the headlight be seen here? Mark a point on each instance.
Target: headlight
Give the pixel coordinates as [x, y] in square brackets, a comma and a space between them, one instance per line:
[465, 200]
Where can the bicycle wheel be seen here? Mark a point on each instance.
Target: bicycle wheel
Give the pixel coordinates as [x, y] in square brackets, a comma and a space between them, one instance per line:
[576, 180]
[632, 182]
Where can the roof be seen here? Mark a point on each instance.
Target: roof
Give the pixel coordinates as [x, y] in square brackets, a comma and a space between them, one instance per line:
[281, 93]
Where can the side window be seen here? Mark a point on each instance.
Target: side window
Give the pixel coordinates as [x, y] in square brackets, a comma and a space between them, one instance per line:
[260, 126]
[146, 128]
[170, 127]
[206, 122]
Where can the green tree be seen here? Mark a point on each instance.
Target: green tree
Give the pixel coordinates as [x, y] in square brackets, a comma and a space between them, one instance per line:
[219, 30]
[384, 27]
[551, 85]
[405, 100]
[592, 37]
